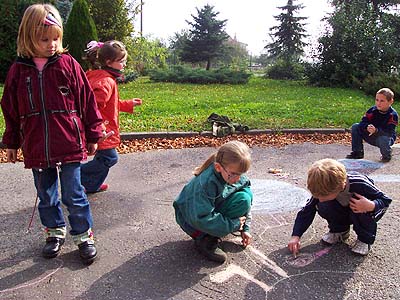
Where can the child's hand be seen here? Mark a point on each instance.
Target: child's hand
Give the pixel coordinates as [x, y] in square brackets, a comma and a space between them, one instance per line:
[371, 129]
[294, 245]
[11, 155]
[242, 222]
[137, 101]
[359, 204]
[91, 148]
[246, 238]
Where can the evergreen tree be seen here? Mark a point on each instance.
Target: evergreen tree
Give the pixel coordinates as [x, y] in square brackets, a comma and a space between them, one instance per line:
[64, 7]
[112, 19]
[11, 12]
[206, 37]
[288, 35]
[79, 30]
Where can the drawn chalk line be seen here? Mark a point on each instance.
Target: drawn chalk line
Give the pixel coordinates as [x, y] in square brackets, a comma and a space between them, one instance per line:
[232, 270]
[268, 262]
[35, 281]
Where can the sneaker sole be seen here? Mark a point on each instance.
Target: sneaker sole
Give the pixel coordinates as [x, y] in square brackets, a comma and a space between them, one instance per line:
[342, 240]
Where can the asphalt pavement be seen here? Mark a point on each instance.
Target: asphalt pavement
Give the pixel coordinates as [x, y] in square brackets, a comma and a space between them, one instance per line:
[143, 254]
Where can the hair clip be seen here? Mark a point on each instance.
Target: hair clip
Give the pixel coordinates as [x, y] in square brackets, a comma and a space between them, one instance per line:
[51, 20]
[93, 45]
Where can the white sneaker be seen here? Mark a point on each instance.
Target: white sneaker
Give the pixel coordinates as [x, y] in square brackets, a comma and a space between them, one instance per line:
[361, 248]
[331, 238]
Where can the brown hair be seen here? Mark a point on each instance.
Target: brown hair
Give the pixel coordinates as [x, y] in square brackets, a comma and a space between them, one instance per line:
[98, 54]
[33, 27]
[388, 93]
[233, 152]
[326, 176]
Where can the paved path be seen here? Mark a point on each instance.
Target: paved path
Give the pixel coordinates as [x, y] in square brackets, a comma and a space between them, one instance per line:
[144, 255]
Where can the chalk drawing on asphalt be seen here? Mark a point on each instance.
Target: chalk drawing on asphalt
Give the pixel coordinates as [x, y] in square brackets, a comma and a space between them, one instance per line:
[49, 269]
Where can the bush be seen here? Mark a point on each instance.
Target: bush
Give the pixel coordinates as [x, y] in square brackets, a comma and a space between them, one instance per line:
[131, 76]
[372, 84]
[181, 74]
[283, 70]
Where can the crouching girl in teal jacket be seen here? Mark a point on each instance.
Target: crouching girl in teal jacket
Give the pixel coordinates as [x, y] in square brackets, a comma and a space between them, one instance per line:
[217, 200]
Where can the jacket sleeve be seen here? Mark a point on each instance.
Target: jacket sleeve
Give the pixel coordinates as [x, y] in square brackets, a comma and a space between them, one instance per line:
[126, 106]
[366, 119]
[305, 217]
[381, 200]
[9, 106]
[91, 116]
[247, 225]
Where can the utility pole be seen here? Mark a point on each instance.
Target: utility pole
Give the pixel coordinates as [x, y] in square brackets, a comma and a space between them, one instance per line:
[141, 18]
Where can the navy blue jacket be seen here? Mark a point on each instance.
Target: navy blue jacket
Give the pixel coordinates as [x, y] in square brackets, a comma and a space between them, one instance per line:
[356, 183]
[385, 122]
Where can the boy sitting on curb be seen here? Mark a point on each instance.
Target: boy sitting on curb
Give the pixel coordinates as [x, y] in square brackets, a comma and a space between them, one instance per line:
[342, 199]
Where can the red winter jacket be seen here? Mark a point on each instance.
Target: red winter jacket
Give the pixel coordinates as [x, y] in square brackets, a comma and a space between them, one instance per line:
[105, 88]
[51, 114]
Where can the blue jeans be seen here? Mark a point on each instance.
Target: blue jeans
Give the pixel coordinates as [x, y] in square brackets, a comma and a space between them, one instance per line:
[340, 218]
[72, 196]
[94, 172]
[383, 142]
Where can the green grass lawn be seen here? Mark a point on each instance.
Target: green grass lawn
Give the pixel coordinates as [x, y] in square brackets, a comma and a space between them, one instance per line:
[260, 104]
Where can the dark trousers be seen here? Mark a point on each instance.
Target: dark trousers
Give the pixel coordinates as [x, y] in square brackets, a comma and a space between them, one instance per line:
[340, 218]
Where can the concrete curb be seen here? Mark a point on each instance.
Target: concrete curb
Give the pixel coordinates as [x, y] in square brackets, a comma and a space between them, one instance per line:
[177, 134]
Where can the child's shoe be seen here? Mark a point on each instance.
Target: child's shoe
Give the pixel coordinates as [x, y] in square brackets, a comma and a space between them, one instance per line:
[332, 238]
[208, 246]
[355, 155]
[52, 247]
[85, 243]
[87, 252]
[386, 158]
[55, 238]
[103, 187]
[360, 248]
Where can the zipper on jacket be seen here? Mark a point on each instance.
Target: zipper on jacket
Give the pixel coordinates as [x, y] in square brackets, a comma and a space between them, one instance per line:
[46, 121]
[29, 89]
[78, 131]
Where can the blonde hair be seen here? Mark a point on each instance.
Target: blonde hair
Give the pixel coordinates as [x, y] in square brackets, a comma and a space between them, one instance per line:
[388, 93]
[325, 177]
[233, 152]
[99, 54]
[33, 27]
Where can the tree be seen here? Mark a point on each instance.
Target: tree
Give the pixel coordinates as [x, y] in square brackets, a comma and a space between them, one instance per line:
[234, 54]
[64, 7]
[362, 46]
[11, 12]
[112, 19]
[146, 54]
[79, 30]
[206, 37]
[287, 37]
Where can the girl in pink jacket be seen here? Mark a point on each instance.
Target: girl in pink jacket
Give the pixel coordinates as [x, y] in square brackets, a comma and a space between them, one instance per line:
[108, 60]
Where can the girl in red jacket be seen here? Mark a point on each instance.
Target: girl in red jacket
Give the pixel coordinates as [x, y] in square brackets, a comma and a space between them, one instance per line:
[51, 113]
[108, 60]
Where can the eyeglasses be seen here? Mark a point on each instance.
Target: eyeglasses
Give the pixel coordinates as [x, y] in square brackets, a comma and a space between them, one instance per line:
[230, 174]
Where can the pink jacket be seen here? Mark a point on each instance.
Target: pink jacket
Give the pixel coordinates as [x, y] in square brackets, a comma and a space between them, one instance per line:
[105, 88]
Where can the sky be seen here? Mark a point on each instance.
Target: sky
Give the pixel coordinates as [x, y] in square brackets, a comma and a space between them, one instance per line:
[249, 21]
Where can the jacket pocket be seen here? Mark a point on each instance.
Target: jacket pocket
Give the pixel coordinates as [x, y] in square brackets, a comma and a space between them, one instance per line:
[28, 82]
[78, 132]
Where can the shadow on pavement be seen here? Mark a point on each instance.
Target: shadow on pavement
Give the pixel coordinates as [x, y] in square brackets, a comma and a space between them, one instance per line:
[161, 272]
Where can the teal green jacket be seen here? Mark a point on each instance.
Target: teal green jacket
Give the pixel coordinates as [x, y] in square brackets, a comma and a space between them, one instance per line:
[208, 204]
